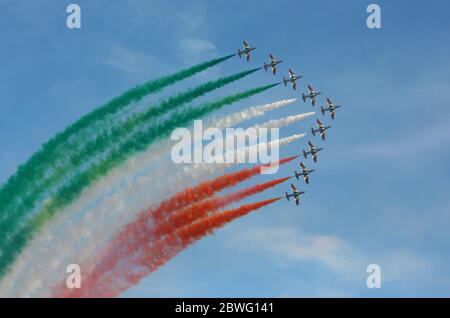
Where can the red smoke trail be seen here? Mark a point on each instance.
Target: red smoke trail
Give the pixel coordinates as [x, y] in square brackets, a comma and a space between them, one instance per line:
[205, 189]
[137, 230]
[178, 219]
[158, 254]
[189, 196]
[201, 209]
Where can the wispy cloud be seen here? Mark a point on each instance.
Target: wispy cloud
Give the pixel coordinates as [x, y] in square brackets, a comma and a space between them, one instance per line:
[417, 143]
[135, 62]
[193, 50]
[288, 247]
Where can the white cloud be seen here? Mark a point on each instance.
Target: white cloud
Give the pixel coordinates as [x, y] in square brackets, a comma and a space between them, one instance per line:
[135, 62]
[197, 45]
[417, 143]
[289, 247]
[193, 50]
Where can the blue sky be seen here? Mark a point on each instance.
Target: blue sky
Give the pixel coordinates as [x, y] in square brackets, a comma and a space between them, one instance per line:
[380, 191]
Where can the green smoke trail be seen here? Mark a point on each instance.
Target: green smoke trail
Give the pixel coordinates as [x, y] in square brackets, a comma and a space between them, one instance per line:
[139, 143]
[18, 185]
[76, 157]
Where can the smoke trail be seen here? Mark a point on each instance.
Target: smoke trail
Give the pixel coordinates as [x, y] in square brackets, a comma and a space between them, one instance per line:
[81, 155]
[273, 123]
[190, 201]
[245, 153]
[34, 169]
[203, 208]
[203, 191]
[95, 227]
[249, 113]
[160, 253]
[143, 233]
[289, 120]
[138, 143]
[163, 148]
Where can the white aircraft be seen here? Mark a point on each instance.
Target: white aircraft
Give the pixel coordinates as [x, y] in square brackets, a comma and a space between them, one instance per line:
[312, 94]
[273, 64]
[295, 194]
[331, 107]
[321, 129]
[305, 173]
[313, 151]
[292, 79]
[246, 51]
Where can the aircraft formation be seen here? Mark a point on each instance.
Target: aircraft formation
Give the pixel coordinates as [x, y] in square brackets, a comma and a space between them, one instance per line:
[311, 95]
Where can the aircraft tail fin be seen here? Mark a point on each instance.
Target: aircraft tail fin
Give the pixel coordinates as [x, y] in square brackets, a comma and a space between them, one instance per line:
[265, 67]
[322, 110]
[304, 154]
[239, 53]
[287, 196]
[297, 175]
[303, 97]
[313, 132]
[284, 81]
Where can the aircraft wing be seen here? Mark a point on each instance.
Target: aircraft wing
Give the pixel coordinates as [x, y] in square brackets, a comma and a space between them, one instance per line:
[302, 166]
[311, 146]
[294, 85]
[272, 58]
[297, 201]
[323, 134]
[319, 123]
[293, 187]
[310, 89]
[274, 70]
[291, 73]
[307, 179]
[313, 101]
[247, 55]
[246, 46]
[332, 115]
[329, 102]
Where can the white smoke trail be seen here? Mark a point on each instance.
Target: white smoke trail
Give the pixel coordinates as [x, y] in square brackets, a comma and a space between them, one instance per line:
[75, 236]
[273, 123]
[234, 119]
[289, 120]
[249, 113]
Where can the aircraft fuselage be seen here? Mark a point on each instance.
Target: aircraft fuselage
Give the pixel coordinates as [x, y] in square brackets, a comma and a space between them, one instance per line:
[313, 95]
[332, 108]
[275, 63]
[305, 173]
[321, 130]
